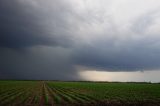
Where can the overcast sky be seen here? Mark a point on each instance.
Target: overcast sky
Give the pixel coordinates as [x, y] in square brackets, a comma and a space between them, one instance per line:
[63, 39]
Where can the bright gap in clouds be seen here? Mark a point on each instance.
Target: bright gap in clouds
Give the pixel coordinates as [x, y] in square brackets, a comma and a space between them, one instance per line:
[138, 76]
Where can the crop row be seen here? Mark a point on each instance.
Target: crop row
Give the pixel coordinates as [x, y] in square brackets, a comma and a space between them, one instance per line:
[40, 93]
[52, 93]
[18, 93]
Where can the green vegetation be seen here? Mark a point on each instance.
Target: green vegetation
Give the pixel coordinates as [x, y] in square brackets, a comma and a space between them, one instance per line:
[35, 93]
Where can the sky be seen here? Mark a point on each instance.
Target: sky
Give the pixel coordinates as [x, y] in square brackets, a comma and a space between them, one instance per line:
[96, 40]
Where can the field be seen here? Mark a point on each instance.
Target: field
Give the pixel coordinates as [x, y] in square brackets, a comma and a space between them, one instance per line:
[56, 93]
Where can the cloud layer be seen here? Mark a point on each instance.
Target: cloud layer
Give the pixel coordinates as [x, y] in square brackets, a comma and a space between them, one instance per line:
[49, 39]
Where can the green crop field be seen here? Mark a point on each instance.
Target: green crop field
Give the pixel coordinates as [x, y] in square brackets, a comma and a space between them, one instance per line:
[56, 93]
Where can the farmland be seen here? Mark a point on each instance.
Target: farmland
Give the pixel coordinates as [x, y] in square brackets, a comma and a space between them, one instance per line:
[56, 93]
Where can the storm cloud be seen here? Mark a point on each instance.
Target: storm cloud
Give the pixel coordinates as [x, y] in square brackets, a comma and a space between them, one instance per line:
[55, 39]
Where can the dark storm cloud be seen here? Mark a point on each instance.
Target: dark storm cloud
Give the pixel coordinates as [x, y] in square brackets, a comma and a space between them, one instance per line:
[129, 58]
[48, 39]
[37, 63]
[24, 37]
[23, 25]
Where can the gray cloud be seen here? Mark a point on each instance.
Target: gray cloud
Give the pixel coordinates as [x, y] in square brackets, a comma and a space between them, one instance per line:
[37, 63]
[131, 57]
[25, 25]
[47, 39]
